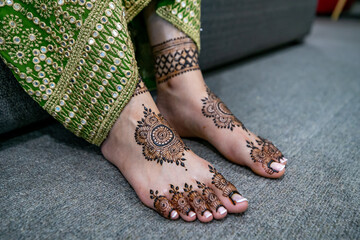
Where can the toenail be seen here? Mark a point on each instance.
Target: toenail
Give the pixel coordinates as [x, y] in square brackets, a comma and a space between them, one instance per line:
[238, 199]
[192, 214]
[174, 214]
[222, 210]
[277, 166]
[283, 160]
[207, 214]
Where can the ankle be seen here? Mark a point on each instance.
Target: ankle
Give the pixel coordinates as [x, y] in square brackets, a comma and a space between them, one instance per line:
[117, 144]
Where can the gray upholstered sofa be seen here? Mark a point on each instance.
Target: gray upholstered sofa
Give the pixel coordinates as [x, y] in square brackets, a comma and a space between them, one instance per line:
[54, 185]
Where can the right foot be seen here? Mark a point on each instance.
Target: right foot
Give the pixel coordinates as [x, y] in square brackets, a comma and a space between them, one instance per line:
[164, 173]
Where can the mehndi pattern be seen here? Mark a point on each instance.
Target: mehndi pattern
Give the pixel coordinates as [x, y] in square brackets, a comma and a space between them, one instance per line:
[265, 153]
[175, 57]
[216, 109]
[224, 185]
[179, 200]
[160, 142]
[161, 204]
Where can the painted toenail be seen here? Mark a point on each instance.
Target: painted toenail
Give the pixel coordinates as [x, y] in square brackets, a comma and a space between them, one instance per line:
[222, 210]
[283, 160]
[207, 214]
[192, 214]
[277, 166]
[174, 214]
[238, 199]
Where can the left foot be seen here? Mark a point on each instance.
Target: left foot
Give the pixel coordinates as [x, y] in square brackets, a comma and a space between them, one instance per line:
[194, 111]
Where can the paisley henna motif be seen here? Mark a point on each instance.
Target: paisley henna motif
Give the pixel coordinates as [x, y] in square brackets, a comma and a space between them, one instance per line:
[216, 109]
[175, 57]
[140, 88]
[266, 153]
[162, 205]
[224, 185]
[210, 197]
[179, 200]
[160, 142]
[196, 201]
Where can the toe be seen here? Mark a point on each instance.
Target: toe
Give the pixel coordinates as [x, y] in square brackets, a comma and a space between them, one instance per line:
[163, 205]
[199, 204]
[283, 160]
[235, 203]
[181, 204]
[191, 216]
[265, 159]
[272, 170]
[206, 217]
[212, 200]
[227, 193]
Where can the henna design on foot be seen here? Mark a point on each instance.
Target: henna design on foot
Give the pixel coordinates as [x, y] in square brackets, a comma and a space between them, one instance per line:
[175, 57]
[196, 201]
[210, 197]
[160, 142]
[140, 88]
[216, 109]
[224, 185]
[179, 200]
[162, 205]
[265, 154]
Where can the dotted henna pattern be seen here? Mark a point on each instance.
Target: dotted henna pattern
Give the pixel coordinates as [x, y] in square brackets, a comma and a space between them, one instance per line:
[140, 88]
[160, 142]
[179, 200]
[210, 197]
[196, 201]
[175, 57]
[266, 153]
[224, 185]
[162, 205]
[216, 109]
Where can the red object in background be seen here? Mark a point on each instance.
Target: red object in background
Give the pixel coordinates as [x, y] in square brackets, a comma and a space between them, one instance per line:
[328, 6]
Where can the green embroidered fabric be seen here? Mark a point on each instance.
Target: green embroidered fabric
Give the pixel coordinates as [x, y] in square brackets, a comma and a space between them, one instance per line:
[76, 57]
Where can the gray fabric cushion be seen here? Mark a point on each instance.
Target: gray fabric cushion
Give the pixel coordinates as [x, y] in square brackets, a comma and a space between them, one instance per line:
[17, 109]
[233, 29]
[304, 98]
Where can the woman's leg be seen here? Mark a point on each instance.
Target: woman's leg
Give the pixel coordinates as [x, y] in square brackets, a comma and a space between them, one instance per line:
[194, 111]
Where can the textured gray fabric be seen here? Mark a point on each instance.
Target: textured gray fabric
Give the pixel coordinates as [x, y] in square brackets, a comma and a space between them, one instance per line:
[17, 109]
[233, 29]
[305, 98]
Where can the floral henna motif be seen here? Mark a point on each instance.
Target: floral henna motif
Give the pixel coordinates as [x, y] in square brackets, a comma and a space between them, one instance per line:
[216, 109]
[224, 185]
[160, 142]
[266, 153]
[162, 205]
[210, 197]
[196, 201]
[140, 88]
[179, 200]
[175, 57]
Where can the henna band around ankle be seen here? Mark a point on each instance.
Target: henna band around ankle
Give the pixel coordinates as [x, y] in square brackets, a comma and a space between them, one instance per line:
[175, 57]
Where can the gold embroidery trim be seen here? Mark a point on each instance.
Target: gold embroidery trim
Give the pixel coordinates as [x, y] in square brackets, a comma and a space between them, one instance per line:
[135, 9]
[84, 32]
[191, 32]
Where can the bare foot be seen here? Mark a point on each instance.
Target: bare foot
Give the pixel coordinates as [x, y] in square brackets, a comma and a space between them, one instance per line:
[194, 111]
[166, 175]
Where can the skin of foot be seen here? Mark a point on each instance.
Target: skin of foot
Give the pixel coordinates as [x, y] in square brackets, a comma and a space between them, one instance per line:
[194, 111]
[165, 174]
